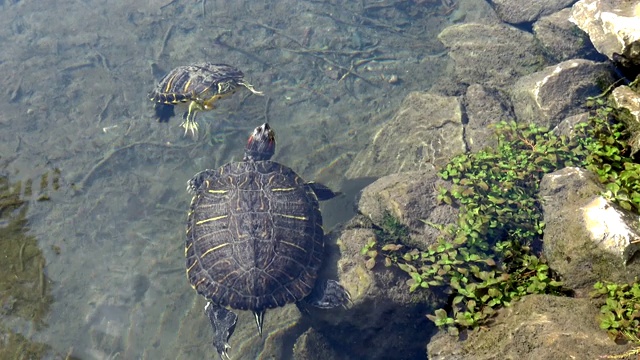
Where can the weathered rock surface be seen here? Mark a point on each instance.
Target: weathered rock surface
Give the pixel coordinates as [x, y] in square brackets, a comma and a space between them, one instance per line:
[474, 11]
[538, 327]
[426, 131]
[517, 11]
[313, 345]
[491, 55]
[383, 311]
[567, 126]
[484, 107]
[625, 98]
[587, 238]
[613, 25]
[562, 39]
[411, 198]
[548, 96]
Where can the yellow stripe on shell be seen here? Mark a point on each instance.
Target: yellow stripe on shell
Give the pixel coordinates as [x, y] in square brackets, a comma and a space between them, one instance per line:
[186, 86]
[294, 245]
[294, 217]
[191, 267]
[170, 83]
[214, 249]
[217, 191]
[211, 219]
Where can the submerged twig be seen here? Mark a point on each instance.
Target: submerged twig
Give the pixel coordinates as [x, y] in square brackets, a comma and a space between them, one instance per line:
[165, 40]
[104, 108]
[99, 164]
[21, 256]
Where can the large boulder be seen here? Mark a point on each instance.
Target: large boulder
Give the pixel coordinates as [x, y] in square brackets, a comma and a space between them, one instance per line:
[562, 39]
[483, 108]
[548, 96]
[612, 25]
[587, 238]
[380, 294]
[538, 327]
[624, 98]
[491, 55]
[410, 198]
[426, 131]
[383, 312]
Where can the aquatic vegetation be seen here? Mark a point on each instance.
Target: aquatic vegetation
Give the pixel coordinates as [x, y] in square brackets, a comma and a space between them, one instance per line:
[620, 315]
[23, 287]
[609, 155]
[487, 259]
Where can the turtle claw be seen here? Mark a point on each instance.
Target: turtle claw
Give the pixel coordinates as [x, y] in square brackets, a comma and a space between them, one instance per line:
[190, 126]
[223, 323]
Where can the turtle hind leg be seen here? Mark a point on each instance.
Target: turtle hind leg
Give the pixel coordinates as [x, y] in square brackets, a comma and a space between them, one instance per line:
[223, 323]
[189, 124]
[328, 295]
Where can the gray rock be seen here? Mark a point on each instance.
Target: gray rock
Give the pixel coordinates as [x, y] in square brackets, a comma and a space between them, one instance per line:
[474, 11]
[562, 39]
[484, 107]
[567, 126]
[587, 238]
[384, 317]
[538, 327]
[518, 11]
[380, 294]
[411, 198]
[613, 25]
[625, 98]
[492, 55]
[426, 131]
[548, 96]
[312, 345]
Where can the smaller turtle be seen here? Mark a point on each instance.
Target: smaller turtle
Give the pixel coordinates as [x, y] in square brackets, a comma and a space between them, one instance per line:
[200, 85]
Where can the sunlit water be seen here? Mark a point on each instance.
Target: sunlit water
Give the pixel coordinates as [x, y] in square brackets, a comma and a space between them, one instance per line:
[75, 77]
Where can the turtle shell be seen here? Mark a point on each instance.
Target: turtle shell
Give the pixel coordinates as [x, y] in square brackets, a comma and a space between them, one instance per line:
[196, 83]
[254, 236]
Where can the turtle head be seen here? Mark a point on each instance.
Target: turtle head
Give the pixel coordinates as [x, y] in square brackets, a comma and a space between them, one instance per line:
[261, 144]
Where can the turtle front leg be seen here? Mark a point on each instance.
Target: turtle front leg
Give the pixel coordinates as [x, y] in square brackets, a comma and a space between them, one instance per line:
[223, 323]
[189, 124]
[328, 295]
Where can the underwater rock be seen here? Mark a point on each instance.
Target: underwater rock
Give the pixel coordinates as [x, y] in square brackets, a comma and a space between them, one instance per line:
[491, 55]
[426, 131]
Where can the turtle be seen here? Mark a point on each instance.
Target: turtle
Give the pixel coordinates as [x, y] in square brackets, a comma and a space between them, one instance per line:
[199, 85]
[254, 239]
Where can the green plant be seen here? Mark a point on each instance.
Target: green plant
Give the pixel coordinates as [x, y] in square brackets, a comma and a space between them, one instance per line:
[485, 260]
[620, 315]
[609, 155]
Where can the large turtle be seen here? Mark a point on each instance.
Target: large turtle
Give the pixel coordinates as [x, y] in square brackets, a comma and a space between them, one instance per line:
[255, 239]
[199, 85]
